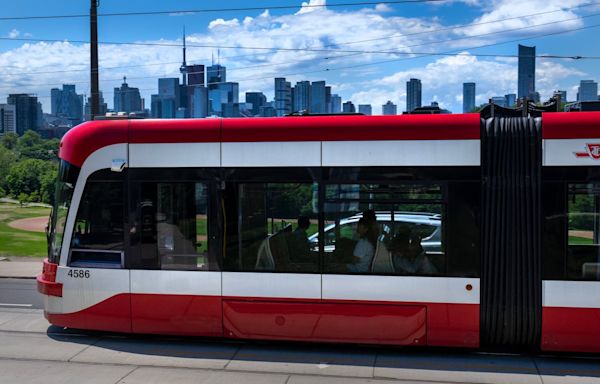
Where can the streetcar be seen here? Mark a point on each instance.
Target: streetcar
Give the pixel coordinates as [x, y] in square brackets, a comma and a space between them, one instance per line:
[412, 230]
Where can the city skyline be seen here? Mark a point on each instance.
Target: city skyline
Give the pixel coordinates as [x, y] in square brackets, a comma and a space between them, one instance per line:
[363, 78]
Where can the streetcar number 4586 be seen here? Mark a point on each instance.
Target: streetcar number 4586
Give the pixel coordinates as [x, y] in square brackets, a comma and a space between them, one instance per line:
[79, 273]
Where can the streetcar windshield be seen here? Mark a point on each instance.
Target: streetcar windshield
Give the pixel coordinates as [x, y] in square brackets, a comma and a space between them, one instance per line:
[67, 176]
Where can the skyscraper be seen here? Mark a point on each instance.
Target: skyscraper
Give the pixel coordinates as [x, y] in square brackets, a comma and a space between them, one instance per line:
[26, 112]
[365, 109]
[588, 91]
[348, 107]
[526, 72]
[302, 96]
[318, 97]
[468, 97]
[389, 109]
[67, 103]
[167, 101]
[510, 100]
[127, 99]
[413, 94]
[215, 74]
[283, 96]
[257, 99]
[336, 103]
[88, 107]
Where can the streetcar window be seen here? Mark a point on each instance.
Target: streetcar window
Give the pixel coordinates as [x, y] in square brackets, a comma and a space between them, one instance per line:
[97, 238]
[384, 229]
[583, 255]
[172, 226]
[276, 224]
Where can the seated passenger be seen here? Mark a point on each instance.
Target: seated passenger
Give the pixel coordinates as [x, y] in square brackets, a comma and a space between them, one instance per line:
[364, 248]
[298, 241]
[408, 256]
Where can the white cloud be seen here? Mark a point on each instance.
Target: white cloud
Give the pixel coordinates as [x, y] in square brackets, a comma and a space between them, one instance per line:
[223, 23]
[13, 34]
[311, 6]
[442, 81]
[382, 7]
[551, 16]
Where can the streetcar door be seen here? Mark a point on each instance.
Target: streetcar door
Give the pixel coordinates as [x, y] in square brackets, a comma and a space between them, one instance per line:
[95, 281]
[175, 278]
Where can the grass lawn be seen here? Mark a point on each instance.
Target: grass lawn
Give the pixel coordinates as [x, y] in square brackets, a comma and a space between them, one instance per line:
[15, 242]
[576, 240]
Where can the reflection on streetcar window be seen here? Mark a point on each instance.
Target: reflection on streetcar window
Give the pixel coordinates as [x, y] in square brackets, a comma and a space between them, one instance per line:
[383, 229]
[276, 222]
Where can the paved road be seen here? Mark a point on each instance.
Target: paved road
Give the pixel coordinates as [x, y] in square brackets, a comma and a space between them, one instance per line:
[20, 293]
[33, 351]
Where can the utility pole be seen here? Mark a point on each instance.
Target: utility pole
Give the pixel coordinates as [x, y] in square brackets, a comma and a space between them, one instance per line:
[95, 110]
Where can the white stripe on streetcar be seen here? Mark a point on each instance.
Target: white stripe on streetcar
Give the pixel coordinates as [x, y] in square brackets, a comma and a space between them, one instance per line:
[15, 305]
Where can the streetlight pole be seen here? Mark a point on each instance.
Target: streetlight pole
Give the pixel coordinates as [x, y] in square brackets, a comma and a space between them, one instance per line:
[95, 107]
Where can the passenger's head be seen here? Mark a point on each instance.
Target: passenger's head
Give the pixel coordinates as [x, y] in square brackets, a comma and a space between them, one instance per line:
[362, 227]
[370, 215]
[401, 240]
[303, 222]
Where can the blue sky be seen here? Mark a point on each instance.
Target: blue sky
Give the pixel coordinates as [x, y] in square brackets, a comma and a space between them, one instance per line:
[365, 75]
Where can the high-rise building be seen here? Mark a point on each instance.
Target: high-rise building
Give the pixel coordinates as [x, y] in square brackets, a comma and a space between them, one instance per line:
[510, 100]
[215, 74]
[318, 97]
[27, 113]
[348, 107]
[257, 99]
[127, 99]
[336, 103]
[283, 96]
[67, 103]
[563, 95]
[328, 105]
[499, 101]
[365, 109]
[8, 122]
[526, 79]
[588, 91]
[168, 100]
[413, 94]
[468, 97]
[199, 102]
[301, 96]
[389, 109]
[88, 107]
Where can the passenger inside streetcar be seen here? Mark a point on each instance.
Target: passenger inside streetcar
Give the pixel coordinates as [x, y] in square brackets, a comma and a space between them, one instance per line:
[408, 256]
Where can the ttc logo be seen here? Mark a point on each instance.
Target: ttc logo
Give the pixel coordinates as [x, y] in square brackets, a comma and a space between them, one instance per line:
[592, 150]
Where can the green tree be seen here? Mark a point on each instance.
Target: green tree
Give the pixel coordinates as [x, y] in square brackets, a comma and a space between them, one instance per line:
[9, 140]
[32, 146]
[25, 176]
[7, 159]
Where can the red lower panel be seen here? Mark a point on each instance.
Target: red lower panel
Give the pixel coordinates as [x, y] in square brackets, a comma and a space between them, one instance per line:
[352, 323]
[453, 325]
[112, 315]
[177, 314]
[571, 329]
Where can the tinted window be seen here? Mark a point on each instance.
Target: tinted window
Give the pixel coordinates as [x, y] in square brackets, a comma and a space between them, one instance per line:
[98, 238]
[274, 224]
[583, 251]
[172, 226]
[383, 229]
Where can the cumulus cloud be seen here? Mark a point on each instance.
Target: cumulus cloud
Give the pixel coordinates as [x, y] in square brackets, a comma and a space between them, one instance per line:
[223, 23]
[551, 16]
[442, 81]
[311, 6]
[13, 34]
[352, 75]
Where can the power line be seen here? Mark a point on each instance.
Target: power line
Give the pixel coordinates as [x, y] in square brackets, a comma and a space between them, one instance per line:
[213, 10]
[354, 52]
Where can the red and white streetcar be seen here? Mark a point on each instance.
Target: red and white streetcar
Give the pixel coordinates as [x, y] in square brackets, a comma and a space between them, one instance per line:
[431, 230]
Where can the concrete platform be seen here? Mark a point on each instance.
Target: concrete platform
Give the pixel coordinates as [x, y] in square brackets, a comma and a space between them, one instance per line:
[31, 352]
